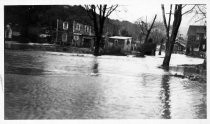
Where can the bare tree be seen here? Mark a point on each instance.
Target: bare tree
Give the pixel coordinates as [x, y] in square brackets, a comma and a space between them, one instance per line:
[199, 11]
[149, 30]
[140, 29]
[143, 26]
[171, 39]
[175, 27]
[98, 14]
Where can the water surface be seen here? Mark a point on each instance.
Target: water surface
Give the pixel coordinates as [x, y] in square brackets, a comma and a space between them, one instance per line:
[53, 85]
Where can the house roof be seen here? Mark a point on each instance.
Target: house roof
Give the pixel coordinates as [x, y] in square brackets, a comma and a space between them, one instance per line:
[120, 37]
[194, 29]
[181, 41]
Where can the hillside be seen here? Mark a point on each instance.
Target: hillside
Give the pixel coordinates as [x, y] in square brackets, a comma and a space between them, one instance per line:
[46, 16]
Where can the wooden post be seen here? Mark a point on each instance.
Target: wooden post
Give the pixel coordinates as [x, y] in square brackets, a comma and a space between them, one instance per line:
[56, 40]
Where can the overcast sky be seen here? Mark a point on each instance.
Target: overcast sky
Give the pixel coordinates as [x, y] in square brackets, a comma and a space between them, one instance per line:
[147, 11]
[129, 10]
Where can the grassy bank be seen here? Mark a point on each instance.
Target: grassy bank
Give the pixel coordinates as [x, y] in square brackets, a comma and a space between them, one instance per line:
[45, 47]
[193, 72]
[13, 45]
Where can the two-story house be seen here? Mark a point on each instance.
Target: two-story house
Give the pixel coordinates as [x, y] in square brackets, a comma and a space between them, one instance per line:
[75, 33]
[83, 35]
[196, 39]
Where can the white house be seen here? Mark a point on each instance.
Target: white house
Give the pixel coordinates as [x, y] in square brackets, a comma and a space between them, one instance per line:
[124, 43]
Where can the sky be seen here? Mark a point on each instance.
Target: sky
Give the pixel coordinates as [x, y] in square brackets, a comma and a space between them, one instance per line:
[129, 10]
[147, 11]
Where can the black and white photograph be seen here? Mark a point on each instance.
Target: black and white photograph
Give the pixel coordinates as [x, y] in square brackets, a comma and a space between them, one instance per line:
[108, 60]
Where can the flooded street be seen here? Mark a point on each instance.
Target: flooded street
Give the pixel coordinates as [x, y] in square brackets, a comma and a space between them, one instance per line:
[53, 85]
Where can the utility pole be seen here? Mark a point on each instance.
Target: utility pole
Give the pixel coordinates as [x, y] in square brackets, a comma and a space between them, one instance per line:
[146, 23]
[56, 40]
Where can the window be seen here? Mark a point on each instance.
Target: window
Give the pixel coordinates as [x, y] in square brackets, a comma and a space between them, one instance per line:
[74, 27]
[87, 29]
[197, 37]
[128, 42]
[65, 25]
[204, 36]
[78, 27]
[204, 46]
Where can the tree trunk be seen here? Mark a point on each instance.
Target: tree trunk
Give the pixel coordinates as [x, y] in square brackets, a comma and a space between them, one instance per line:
[187, 50]
[148, 31]
[97, 43]
[99, 29]
[99, 37]
[166, 26]
[175, 28]
[161, 45]
[98, 21]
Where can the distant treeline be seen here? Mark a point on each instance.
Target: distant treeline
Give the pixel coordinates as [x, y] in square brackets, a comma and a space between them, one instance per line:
[22, 17]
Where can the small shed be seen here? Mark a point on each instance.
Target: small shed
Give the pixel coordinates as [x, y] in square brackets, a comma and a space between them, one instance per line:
[180, 45]
[124, 43]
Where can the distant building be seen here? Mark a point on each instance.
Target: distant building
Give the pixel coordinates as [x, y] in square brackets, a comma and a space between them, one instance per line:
[83, 35]
[120, 42]
[196, 41]
[75, 33]
[180, 45]
[8, 32]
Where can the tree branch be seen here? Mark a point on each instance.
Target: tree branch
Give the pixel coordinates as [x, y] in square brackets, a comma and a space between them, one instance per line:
[169, 20]
[152, 23]
[88, 9]
[113, 8]
[148, 31]
[164, 17]
[200, 19]
[204, 14]
[98, 7]
[184, 5]
[189, 10]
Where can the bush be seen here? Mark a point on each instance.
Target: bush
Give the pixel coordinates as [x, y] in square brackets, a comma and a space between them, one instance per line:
[147, 48]
[113, 51]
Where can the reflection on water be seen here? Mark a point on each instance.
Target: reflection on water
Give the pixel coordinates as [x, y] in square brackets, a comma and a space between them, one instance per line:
[95, 66]
[51, 85]
[165, 96]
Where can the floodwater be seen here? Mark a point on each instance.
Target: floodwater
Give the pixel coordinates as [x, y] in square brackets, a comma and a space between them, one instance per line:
[53, 85]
